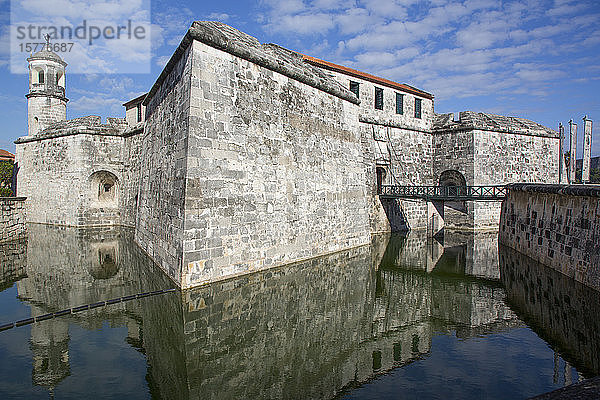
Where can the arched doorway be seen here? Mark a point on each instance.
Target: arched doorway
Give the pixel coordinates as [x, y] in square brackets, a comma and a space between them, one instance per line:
[457, 181]
[452, 177]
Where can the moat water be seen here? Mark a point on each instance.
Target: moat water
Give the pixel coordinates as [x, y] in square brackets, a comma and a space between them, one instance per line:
[404, 318]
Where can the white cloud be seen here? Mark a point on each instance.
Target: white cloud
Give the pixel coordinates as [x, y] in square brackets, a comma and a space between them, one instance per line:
[304, 24]
[219, 16]
[82, 9]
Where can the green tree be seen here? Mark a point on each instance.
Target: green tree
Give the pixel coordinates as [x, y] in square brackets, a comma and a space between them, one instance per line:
[6, 173]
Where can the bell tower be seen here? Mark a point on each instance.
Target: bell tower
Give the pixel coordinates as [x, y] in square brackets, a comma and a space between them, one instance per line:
[46, 101]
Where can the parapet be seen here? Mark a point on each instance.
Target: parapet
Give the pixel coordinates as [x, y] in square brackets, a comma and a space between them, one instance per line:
[90, 125]
[270, 56]
[470, 120]
[570, 190]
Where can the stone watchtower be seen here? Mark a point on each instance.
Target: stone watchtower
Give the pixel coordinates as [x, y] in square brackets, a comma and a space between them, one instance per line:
[46, 101]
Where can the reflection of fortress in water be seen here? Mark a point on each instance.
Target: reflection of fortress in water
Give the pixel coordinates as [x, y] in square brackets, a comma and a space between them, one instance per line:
[308, 330]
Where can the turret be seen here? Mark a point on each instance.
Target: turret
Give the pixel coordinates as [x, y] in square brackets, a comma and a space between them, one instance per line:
[46, 101]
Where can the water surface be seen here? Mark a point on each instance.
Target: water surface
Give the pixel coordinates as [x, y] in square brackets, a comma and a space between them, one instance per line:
[406, 317]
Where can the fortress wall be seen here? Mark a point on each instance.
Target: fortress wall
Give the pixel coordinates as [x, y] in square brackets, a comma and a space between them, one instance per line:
[275, 170]
[409, 151]
[506, 158]
[556, 225]
[132, 170]
[162, 177]
[502, 158]
[55, 177]
[409, 158]
[411, 164]
[454, 151]
[492, 158]
[12, 218]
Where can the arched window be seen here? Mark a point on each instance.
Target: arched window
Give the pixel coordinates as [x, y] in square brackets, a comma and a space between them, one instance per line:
[36, 73]
[104, 188]
[381, 174]
[60, 79]
[35, 125]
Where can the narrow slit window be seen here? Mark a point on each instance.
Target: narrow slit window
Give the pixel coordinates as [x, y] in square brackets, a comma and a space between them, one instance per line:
[139, 113]
[417, 108]
[399, 103]
[354, 88]
[378, 98]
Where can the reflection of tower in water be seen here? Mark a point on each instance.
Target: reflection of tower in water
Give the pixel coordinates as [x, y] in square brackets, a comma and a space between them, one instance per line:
[85, 267]
[50, 347]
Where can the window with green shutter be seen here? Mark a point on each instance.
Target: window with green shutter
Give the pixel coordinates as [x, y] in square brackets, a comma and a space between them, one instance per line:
[417, 108]
[354, 88]
[399, 103]
[378, 98]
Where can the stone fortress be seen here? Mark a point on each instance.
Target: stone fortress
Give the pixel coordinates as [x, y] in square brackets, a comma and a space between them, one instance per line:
[245, 156]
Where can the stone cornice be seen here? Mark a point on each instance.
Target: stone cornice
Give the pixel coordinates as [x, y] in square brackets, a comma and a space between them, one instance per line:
[44, 94]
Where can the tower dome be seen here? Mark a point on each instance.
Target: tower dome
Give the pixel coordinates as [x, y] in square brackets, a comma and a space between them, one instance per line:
[46, 101]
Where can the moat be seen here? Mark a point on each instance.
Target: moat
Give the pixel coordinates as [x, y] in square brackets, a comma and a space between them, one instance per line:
[405, 317]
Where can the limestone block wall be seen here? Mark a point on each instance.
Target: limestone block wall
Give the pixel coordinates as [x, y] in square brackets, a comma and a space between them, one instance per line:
[44, 110]
[408, 142]
[163, 168]
[12, 218]
[454, 151]
[409, 162]
[275, 170]
[411, 155]
[557, 225]
[132, 169]
[507, 158]
[486, 157]
[56, 177]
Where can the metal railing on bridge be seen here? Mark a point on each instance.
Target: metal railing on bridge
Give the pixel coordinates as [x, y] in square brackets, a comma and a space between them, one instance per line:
[448, 193]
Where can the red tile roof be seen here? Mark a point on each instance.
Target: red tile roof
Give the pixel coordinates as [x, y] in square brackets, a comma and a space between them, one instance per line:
[5, 155]
[363, 75]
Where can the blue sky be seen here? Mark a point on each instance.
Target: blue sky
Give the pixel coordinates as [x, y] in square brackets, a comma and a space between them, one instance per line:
[533, 59]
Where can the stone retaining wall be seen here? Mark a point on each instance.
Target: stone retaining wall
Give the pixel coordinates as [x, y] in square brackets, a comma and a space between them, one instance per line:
[12, 218]
[557, 225]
